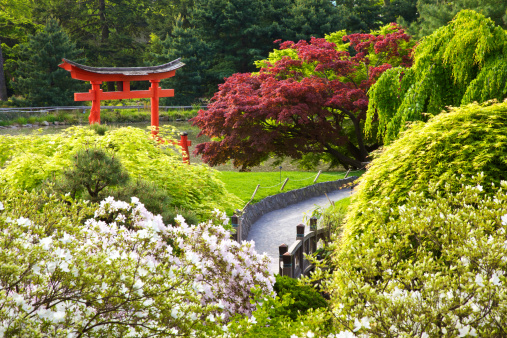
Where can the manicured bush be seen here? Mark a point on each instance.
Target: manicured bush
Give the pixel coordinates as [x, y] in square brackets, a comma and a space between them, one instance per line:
[305, 297]
[464, 141]
[436, 269]
[26, 161]
[92, 171]
[66, 272]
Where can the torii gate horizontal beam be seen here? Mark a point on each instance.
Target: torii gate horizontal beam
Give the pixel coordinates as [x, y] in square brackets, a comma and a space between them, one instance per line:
[136, 94]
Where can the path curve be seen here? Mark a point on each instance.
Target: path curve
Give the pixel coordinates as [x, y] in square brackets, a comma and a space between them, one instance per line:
[279, 226]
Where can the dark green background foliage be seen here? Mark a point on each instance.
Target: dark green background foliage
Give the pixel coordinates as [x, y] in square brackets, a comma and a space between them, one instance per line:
[305, 297]
[39, 79]
[434, 14]
[465, 141]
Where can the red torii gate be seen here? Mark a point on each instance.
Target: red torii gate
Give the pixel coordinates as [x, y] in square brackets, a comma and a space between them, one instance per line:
[123, 76]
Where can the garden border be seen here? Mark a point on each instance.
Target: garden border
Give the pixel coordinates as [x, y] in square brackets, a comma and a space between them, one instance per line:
[253, 212]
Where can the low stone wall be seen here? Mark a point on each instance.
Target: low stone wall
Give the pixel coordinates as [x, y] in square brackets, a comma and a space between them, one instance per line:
[254, 211]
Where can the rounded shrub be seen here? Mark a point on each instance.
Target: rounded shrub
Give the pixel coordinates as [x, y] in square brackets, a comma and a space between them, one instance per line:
[437, 270]
[305, 297]
[464, 141]
[423, 251]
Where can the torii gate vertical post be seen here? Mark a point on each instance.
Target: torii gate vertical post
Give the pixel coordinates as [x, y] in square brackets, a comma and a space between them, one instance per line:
[124, 75]
[154, 105]
[95, 110]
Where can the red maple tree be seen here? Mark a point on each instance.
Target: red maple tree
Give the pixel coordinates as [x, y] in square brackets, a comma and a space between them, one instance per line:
[315, 103]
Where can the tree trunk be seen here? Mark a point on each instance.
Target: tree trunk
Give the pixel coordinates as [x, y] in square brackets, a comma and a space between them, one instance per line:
[103, 21]
[387, 3]
[356, 164]
[3, 87]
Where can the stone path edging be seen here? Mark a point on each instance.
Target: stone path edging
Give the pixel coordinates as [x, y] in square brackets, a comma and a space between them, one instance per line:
[254, 211]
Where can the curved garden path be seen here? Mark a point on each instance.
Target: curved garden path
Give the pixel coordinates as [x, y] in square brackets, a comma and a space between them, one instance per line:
[279, 226]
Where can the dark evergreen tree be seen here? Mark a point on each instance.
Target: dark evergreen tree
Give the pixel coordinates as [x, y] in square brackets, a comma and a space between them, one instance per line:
[223, 37]
[434, 14]
[38, 79]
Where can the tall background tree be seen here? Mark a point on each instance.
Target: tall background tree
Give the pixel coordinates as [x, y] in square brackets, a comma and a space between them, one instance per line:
[38, 76]
[223, 37]
[15, 25]
[458, 64]
[308, 98]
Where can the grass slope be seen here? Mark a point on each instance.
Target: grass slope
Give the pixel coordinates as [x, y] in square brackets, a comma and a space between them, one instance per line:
[243, 184]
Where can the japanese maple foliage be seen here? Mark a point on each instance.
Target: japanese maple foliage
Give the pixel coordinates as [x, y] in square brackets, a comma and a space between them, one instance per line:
[308, 97]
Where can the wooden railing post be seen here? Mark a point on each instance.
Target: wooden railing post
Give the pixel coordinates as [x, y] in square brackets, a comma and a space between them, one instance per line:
[281, 250]
[300, 232]
[235, 226]
[288, 268]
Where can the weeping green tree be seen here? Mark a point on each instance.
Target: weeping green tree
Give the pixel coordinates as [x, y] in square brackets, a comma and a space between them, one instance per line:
[463, 62]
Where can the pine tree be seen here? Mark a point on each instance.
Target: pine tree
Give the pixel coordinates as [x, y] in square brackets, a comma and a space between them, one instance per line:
[38, 78]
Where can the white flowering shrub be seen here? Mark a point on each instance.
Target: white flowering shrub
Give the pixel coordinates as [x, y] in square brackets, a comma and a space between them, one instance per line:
[438, 269]
[70, 271]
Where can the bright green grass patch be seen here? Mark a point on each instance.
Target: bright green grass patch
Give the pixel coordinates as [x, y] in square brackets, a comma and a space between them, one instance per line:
[243, 184]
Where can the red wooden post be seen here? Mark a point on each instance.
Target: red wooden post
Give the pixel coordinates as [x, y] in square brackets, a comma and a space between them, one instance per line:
[95, 111]
[154, 89]
[184, 143]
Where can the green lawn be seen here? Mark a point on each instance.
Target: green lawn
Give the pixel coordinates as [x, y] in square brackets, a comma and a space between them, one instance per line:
[243, 184]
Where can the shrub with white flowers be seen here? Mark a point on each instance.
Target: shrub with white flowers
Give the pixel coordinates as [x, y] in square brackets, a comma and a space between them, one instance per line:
[437, 269]
[71, 271]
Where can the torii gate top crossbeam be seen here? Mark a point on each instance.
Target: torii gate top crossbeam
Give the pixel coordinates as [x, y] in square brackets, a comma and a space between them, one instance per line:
[88, 73]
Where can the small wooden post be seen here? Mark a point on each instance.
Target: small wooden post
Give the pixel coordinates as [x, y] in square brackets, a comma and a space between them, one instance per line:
[300, 232]
[317, 177]
[284, 183]
[281, 250]
[287, 265]
[235, 226]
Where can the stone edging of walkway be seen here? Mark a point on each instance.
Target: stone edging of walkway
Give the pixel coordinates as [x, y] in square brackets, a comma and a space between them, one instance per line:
[255, 211]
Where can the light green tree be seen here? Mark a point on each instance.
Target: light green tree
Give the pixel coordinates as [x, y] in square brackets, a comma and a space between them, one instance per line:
[458, 64]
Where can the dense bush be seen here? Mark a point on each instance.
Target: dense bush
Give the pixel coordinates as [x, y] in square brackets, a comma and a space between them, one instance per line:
[26, 161]
[92, 171]
[463, 141]
[305, 297]
[66, 272]
[437, 269]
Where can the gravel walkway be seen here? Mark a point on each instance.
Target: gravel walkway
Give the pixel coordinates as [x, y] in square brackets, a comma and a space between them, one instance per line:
[279, 226]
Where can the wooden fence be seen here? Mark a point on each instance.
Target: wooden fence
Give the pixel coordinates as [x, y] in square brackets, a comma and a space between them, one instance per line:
[292, 260]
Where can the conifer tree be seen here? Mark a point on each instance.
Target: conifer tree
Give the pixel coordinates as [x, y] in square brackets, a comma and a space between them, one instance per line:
[38, 78]
[458, 64]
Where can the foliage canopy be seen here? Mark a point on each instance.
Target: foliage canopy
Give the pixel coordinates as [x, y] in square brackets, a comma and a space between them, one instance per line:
[308, 97]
